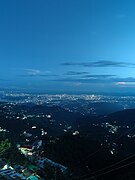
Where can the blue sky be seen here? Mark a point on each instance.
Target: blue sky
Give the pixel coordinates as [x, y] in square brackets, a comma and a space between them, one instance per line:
[74, 45]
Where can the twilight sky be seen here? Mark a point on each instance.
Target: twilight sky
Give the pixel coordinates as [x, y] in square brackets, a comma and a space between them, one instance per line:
[67, 45]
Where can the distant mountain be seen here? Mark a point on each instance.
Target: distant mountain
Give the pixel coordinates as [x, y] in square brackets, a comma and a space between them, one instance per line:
[124, 118]
[20, 118]
[27, 122]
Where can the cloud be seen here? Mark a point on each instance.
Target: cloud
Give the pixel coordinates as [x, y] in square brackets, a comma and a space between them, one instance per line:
[100, 63]
[105, 63]
[74, 73]
[81, 80]
[87, 75]
[97, 79]
[120, 83]
[125, 83]
[35, 73]
[99, 76]
[87, 79]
